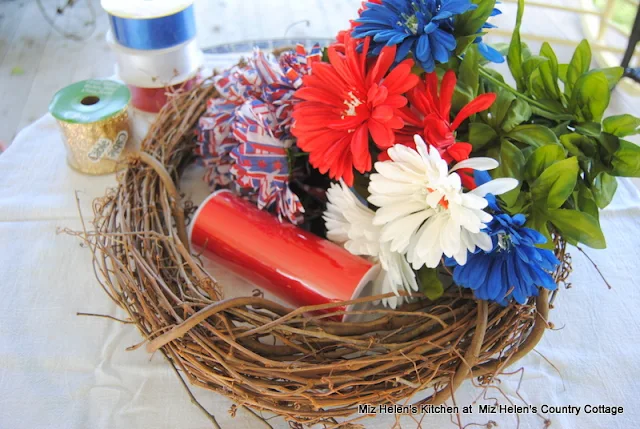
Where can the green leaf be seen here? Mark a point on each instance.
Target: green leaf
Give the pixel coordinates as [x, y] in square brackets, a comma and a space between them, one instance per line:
[522, 203]
[578, 227]
[526, 52]
[430, 284]
[609, 143]
[626, 160]
[494, 74]
[579, 65]
[480, 135]
[552, 109]
[468, 26]
[562, 72]
[562, 128]
[586, 201]
[534, 135]
[462, 96]
[496, 114]
[517, 113]
[536, 86]
[590, 97]
[511, 165]
[591, 129]
[325, 55]
[613, 75]
[468, 72]
[578, 145]
[541, 159]
[604, 188]
[549, 72]
[416, 69]
[621, 125]
[532, 63]
[514, 56]
[464, 42]
[556, 183]
[470, 22]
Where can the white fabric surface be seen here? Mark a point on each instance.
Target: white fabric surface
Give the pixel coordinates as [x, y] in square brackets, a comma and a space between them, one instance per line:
[59, 370]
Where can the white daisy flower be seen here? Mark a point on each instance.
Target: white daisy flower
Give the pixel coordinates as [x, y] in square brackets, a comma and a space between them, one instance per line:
[350, 223]
[424, 211]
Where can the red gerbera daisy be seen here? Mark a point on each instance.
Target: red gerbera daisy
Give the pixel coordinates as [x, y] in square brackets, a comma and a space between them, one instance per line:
[345, 101]
[428, 115]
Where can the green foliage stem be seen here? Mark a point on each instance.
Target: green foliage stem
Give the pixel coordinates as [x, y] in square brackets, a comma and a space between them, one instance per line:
[488, 76]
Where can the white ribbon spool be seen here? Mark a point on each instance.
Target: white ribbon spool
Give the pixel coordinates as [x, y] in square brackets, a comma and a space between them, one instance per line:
[157, 68]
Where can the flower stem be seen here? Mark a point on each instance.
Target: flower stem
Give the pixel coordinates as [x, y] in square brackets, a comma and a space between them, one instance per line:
[483, 71]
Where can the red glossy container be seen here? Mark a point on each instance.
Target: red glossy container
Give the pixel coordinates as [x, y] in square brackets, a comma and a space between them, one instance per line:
[153, 99]
[293, 264]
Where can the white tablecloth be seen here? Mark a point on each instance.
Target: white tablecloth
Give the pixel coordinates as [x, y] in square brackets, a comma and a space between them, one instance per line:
[59, 370]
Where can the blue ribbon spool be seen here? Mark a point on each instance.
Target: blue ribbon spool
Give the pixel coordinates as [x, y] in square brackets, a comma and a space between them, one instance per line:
[154, 33]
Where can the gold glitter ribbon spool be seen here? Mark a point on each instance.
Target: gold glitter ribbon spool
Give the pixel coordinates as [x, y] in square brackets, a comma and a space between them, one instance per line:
[94, 118]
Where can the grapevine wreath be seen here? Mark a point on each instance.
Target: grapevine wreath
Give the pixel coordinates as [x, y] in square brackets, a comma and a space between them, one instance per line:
[401, 144]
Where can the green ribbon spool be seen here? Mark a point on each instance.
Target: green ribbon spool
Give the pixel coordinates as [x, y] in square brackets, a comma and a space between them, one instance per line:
[89, 101]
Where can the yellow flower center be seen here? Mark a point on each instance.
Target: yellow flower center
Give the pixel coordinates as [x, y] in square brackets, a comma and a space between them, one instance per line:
[504, 241]
[352, 102]
[411, 23]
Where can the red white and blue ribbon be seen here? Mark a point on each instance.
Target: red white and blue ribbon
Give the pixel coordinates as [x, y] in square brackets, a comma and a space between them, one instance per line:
[261, 161]
[244, 135]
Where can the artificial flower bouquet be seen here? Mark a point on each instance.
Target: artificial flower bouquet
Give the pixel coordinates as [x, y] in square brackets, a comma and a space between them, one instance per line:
[402, 144]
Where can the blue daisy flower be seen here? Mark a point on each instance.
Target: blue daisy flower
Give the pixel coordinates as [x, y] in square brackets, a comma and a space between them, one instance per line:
[514, 268]
[424, 27]
[487, 51]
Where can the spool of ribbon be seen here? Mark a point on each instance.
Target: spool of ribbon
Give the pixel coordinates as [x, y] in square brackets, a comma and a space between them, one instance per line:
[94, 119]
[146, 25]
[153, 99]
[156, 68]
[293, 264]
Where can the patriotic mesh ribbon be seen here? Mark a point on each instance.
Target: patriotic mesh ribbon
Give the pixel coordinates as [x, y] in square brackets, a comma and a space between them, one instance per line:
[244, 135]
[261, 161]
[213, 133]
[294, 64]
